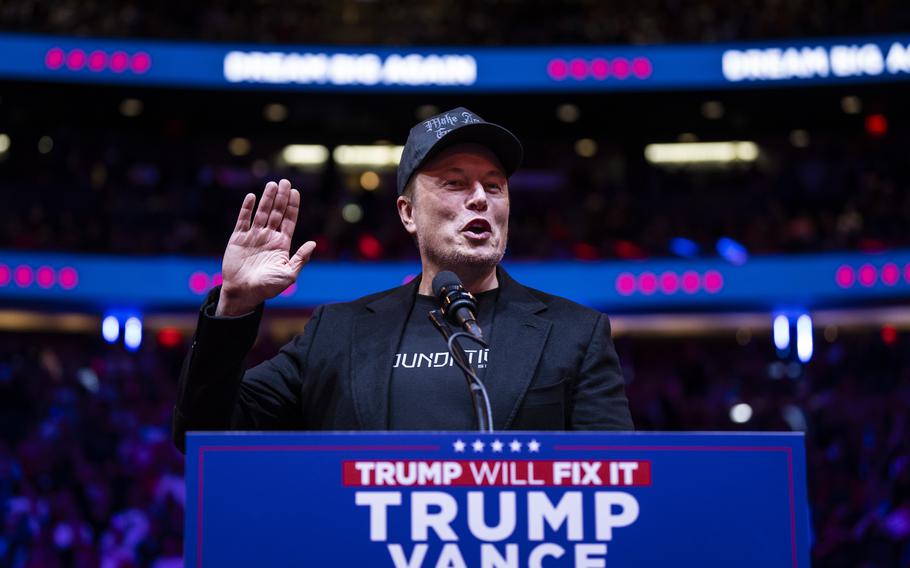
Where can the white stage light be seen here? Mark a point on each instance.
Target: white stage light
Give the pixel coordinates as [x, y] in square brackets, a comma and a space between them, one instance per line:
[781, 332]
[110, 329]
[804, 338]
[132, 333]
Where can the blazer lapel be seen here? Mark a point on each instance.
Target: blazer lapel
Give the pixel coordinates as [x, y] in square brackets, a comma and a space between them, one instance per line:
[376, 335]
[515, 349]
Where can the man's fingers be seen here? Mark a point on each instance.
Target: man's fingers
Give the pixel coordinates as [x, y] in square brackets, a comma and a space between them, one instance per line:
[280, 204]
[302, 256]
[290, 216]
[265, 204]
[246, 212]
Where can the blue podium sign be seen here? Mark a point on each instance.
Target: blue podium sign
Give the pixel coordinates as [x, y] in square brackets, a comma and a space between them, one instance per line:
[496, 500]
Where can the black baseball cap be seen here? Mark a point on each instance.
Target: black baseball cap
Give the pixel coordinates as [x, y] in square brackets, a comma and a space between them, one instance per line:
[456, 126]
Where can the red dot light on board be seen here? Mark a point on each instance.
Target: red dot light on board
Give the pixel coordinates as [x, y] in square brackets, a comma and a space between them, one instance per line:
[647, 283]
[889, 334]
[669, 282]
[68, 278]
[4, 275]
[690, 282]
[867, 275]
[600, 68]
[625, 284]
[876, 125]
[54, 58]
[140, 62]
[578, 68]
[714, 281]
[119, 61]
[75, 59]
[23, 276]
[891, 274]
[557, 69]
[216, 279]
[199, 282]
[169, 337]
[621, 68]
[97, 60]
[45, 276]
[641, 67]
[845, 276]
[370, 247]
[289, 291]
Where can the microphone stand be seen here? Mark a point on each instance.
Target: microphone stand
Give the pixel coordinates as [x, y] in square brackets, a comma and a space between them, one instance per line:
[479, 397]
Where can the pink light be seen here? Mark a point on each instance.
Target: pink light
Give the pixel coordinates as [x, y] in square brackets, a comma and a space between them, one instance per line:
[23, 276]
[600, 68]
[216, 279]
[714, 281]
[54, 58]
[68, 278]
[140, 62]
[119, 61]
[669, 282]
[621, 67]
[557, 69]
[647, 283]
[408, 278]
[199, 282]
[845, 276]
[625, 284]
[4, 275]
[45, 276]
[76, 59]
[690, 282]
[907, 273]
[867, 275]
[641, 67]
[891, 274]
[97, 60]
[289, 291]
[578, 69]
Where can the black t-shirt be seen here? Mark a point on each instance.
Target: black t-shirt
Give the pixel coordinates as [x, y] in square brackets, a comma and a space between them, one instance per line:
[428, 391]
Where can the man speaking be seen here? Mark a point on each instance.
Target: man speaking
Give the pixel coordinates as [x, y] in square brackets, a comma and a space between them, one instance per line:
[377, 363]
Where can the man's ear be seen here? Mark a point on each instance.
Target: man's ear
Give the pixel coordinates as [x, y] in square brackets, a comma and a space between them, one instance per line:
[406, 213]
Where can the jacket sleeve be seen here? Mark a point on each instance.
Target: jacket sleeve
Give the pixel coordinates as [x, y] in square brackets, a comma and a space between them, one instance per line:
[214, 392]
[599, 398]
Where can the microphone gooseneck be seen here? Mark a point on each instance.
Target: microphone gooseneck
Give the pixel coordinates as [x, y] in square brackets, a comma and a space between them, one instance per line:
[458, 308]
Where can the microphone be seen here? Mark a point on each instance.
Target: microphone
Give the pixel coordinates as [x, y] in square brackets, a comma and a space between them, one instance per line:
[457, 304]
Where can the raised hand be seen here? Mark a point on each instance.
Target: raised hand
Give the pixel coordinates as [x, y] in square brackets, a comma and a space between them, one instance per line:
[257, 265]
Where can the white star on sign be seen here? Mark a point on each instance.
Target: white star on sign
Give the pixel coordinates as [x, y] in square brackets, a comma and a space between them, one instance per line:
[515, 446]
[496, 446]
[533, 446]
[458, 445]
[478, 446]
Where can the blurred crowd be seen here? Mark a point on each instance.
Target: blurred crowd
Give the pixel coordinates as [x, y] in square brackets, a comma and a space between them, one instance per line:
[89, 476]
[473, 22]
[126, 195]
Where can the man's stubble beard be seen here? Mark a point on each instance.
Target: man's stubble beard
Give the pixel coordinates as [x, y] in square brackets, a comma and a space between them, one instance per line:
[465, 265]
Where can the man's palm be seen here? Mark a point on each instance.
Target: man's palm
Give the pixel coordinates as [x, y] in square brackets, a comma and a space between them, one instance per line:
[257, 265]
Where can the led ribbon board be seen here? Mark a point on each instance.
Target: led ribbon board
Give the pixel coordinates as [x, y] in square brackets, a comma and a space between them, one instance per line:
[770, 282]
[506, 500]
[455, 69]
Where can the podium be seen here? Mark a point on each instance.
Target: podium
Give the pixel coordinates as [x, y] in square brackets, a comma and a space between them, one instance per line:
[504, 499]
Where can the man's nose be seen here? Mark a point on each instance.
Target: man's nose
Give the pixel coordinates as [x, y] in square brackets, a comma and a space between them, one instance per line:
[477, 200]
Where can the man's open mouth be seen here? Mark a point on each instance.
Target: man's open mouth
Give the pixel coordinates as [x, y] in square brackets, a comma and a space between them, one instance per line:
[477, 228]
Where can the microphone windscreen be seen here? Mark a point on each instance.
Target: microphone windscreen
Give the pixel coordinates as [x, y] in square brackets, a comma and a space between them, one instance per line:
[445, 279]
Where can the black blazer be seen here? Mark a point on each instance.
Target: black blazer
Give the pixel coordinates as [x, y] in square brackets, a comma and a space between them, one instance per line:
[552, 366]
